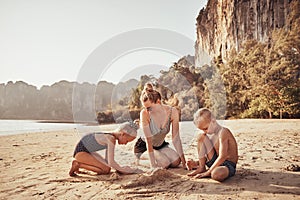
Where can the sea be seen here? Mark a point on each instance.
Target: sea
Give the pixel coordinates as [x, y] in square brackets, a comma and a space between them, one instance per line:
[11, 127]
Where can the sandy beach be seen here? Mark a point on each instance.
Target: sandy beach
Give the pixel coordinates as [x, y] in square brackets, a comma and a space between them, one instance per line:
[36, 165]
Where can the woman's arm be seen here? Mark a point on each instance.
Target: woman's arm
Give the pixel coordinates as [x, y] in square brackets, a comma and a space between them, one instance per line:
[145, 120]
[176, 137]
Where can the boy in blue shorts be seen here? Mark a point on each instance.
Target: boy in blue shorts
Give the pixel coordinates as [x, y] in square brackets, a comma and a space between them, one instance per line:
[217, 149]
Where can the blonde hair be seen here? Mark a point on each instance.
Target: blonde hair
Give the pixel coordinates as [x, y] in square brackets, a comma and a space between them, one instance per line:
[129, 128]
[202, 113]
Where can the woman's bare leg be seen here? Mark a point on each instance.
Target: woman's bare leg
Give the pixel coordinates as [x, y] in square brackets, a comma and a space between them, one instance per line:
[76, 165]
[161, 159]
[172, 155]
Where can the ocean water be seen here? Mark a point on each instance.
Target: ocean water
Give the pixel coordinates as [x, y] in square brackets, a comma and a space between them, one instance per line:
[10, 127]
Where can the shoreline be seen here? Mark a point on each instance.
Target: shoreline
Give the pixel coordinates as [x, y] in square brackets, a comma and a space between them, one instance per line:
[83, 126]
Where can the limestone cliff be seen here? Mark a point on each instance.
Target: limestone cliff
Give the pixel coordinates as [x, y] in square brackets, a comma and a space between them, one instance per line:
[225, 24]
[20, 100]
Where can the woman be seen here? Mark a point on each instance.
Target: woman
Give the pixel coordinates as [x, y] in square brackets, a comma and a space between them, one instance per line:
[85, 152]
[156, 120]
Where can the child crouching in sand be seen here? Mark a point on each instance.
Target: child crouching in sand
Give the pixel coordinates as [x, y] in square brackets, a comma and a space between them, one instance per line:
[85, 152]
[218, 151]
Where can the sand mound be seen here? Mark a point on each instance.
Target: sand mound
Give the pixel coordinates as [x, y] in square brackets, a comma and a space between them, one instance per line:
[143, 180]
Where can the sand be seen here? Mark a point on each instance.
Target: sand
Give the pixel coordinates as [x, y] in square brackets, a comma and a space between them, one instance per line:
[36, 165]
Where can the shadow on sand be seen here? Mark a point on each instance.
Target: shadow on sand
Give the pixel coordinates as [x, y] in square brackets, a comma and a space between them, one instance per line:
[175, 181]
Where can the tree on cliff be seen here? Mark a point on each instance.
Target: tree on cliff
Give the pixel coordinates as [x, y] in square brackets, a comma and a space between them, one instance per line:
[262, 80]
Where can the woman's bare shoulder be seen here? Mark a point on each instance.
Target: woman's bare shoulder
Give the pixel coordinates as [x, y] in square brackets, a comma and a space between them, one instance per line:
[167, 107]
[174, 113]
[173, 110]
[144, 112]
[144, 116]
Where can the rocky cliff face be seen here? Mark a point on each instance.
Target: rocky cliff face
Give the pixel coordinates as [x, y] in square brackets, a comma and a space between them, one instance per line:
[225, 24]
[20, 100]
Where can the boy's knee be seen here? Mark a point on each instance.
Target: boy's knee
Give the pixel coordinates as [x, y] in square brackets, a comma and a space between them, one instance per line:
[218, 175]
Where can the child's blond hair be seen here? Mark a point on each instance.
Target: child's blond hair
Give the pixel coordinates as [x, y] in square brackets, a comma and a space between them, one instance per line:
[202, 113]
[129, 128]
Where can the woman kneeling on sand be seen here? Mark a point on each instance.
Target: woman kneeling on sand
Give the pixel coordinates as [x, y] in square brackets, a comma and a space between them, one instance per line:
[85, 152]
[156, 121]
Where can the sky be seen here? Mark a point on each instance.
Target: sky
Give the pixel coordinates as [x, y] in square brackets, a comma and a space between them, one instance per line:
[45, 41]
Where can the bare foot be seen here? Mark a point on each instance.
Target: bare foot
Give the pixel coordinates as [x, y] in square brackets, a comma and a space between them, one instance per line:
[191, 164]
[74, 168]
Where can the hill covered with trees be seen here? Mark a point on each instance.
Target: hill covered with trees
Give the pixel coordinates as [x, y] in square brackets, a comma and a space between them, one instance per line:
[262, 80]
